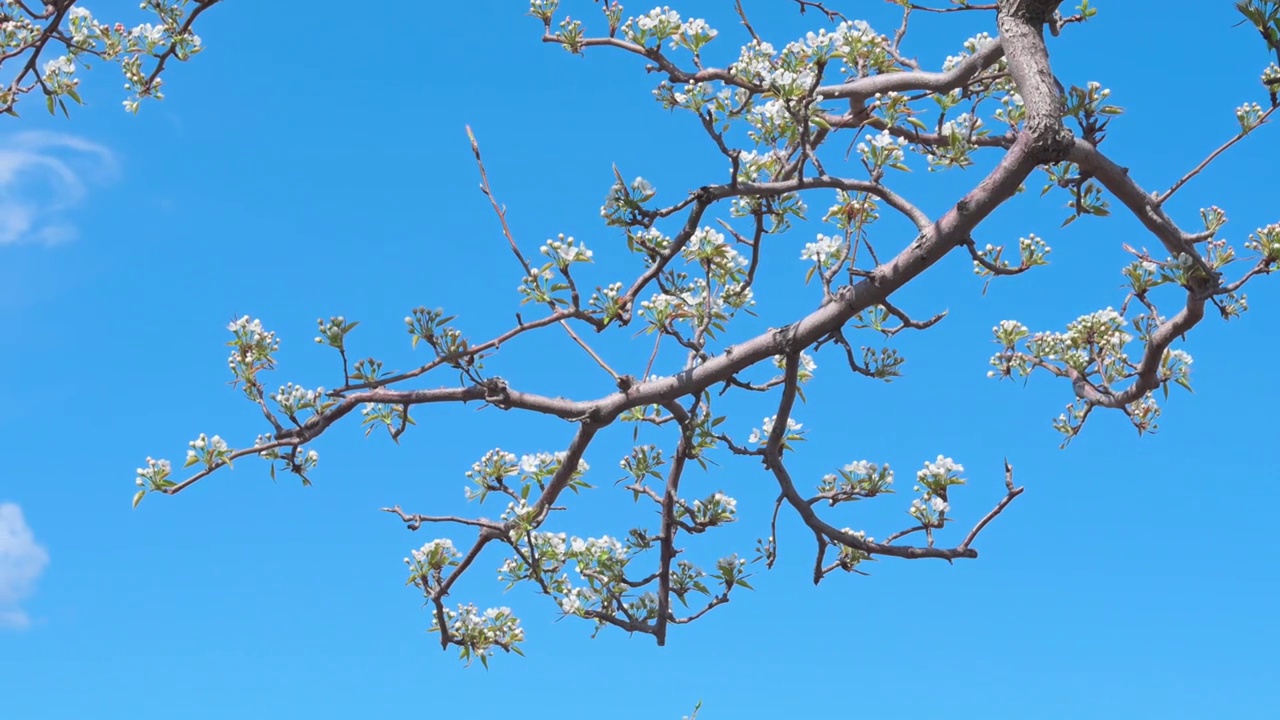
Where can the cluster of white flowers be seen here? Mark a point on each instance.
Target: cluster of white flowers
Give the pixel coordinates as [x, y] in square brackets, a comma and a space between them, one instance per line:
[884, 150]
[333, 330]
[962, 125]
[659, 308]
[433, 555]
[293, 398]
[541, 462]
[518, 511]
[852, 211]
[1008, 333]
[156, 472]
[1033, 247]
[861, 467]
[755, 63]
[480, 633]
[1011, 110]
[708, 246]
[920, 508]
[942, 467]
[576, 600]
[971, 46]
[565, 250]
[807, 365]
[825, 251]
[697, 26]
[611, 291]
[1102, 327]
[770, 121]
[1265, 241]
[1249, 115]
[496, 464]
[715, 510]
[252, 346]
[601, 547]
[58, 66]
[788, 83]
[543, 9]
[607, 301]
[761, 434]
[658, 18]
[857, 479]
[85, 35]
[206, 448]
[859, 48]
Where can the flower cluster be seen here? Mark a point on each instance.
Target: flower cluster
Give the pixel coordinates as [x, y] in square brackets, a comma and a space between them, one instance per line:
[760, 435]
[1032, 251]
[333, 332]
[717, 509]
[933, 482]
[478, 634]
[1266, 242]
[85, 36]
[252, 349]
[804, 373]
[825, 252]
[855, 481]
[1249, 115]
[293, 399]
[210, 452]
[971, 46]
[564, 251]
[884, 150]
[155, 476]
[427, 564]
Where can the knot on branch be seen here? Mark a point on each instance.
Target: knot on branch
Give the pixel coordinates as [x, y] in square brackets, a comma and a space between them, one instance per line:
[496, 393]
[1051, 140]
[1038, 12]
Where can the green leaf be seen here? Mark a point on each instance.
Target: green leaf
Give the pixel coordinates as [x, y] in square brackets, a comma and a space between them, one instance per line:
[137, 498]
[49, 103]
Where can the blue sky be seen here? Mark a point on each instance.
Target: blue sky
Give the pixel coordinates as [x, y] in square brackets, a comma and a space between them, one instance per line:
[321, 168]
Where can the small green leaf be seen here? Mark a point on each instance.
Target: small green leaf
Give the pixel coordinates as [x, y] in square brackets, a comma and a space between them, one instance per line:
[137, 498]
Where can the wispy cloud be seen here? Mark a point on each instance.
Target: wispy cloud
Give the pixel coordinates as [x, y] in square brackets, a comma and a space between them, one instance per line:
[21, 562]
[42, 180]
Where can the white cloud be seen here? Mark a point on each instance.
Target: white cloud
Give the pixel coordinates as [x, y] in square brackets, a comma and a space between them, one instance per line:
[21, 562]
[42, 179]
